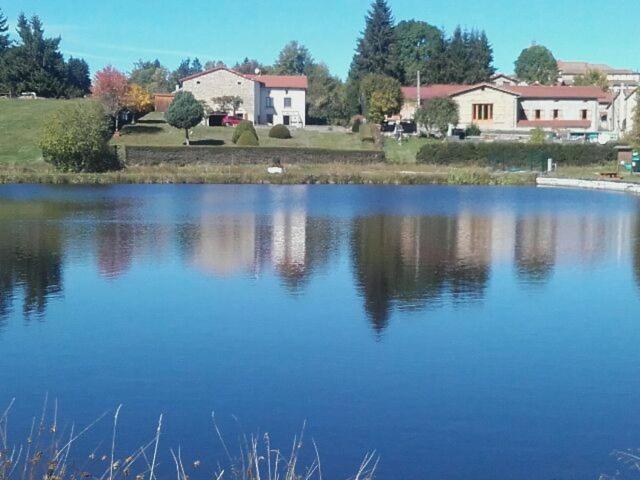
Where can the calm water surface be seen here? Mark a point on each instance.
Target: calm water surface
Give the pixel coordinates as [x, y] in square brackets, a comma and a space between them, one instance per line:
[462, 333]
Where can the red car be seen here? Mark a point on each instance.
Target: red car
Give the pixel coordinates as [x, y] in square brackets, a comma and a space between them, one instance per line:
[230, 121]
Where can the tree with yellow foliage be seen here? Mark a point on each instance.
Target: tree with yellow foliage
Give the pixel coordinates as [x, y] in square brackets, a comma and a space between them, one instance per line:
[139, 100]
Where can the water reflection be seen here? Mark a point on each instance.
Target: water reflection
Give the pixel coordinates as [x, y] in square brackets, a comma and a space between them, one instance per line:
[398, 262]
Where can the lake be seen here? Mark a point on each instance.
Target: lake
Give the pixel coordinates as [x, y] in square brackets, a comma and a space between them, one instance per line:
[460, 332]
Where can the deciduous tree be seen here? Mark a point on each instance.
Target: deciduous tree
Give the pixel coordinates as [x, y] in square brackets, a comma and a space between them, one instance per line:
[75, 139]
[152, 76]
[110, 87]
[294, 59]
[537, 64]
[381, 95]
[185, 112]
[139, 100]
[228, 102]
[592, 77]
[250, 65]
[437, 114]
[325, 96]
[416, 48]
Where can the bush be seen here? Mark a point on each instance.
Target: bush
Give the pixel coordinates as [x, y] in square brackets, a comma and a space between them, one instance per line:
[355, 126]
[538, 137]
[247, 139]
[473, 130]
[367, 133]
[244, 126]
[279, 131]
[514, 155]
[75, 139]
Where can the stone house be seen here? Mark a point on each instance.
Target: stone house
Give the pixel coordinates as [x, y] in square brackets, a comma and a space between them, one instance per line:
[265, 99]
[619, 78]
[520, 108]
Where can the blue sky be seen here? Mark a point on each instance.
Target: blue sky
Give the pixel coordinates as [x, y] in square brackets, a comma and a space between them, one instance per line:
[121, 31]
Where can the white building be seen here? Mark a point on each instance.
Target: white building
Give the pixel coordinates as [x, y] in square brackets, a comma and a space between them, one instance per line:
[266, 99]
[619, 78]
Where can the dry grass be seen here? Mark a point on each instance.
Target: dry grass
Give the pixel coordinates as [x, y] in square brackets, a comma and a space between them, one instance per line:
[46, 454]
[337, 173]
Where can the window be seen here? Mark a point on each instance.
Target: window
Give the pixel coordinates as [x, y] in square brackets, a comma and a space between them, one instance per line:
[269, 118]
[538, 114]
[483, 111]
[584, 114]
[287, 102]
[556, 114]
[269, 101]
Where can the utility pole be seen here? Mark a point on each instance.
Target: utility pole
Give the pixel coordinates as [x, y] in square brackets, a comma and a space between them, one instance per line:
[418, 90]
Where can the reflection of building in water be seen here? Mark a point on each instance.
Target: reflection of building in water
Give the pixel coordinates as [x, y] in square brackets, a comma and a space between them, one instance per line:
[535, 246]
[416, 261]
[225, 245]
[289, 243]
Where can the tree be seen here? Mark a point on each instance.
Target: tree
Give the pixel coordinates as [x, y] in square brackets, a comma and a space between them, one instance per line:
[139, 100]
[592, 77]
[110, 87]
[211, 64]
[228, 102]
[187, 67]
[437, 114]
[4, 36]
[325, 96]
[249, 66]
[537, 64]
[75, 139]
[635, 129]
[381, 95]
[415, 48]
[185, 112]
[374, 51]
[480, 58]
[78, 80]
[152, 76]
[294, 59]
[35, 64]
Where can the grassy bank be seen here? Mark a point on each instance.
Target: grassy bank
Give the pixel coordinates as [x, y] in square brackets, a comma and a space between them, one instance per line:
[295, 174]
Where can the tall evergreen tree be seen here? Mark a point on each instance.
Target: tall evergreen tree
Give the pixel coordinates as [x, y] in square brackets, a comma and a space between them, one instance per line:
[480, 58]
[187, 67]
[78, 79]
[374, 52]
[250, 65]
[36, 63]
[4, 36]
[457, 57]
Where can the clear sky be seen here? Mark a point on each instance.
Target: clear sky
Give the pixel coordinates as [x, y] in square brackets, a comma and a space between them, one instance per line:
[121, 31]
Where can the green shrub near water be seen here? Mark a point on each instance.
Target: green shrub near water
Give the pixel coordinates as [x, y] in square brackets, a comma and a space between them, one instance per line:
[244, 126]
[279, 131]
[507, 155]
[75, 139]
[247, 139]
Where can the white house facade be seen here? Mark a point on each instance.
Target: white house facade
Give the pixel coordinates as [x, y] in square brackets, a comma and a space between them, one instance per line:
[264, 99]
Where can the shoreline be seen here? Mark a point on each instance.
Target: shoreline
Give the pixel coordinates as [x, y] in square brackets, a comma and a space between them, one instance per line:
[607, 185]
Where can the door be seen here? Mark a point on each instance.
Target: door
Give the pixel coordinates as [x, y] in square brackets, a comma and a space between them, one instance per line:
[286, 120]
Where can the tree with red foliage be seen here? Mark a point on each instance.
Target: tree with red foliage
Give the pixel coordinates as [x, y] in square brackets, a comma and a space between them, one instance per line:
[111, 88]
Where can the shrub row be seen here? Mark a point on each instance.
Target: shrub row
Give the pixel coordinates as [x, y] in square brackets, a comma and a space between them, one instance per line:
[511, 154]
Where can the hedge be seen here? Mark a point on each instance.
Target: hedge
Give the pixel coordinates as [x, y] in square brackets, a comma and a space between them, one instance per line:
[247, 139]
[196, 154]
[243, 126]
[511, 154]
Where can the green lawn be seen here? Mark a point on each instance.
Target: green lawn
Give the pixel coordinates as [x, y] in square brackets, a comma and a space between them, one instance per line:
[152, 130]
[404, 152]
[21, 123]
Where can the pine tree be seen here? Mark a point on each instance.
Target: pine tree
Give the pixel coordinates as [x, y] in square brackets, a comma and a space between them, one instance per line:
[78, 79]
[374, 53]
[4, 36]
[457, 57]
[294, 59]
[480, 58]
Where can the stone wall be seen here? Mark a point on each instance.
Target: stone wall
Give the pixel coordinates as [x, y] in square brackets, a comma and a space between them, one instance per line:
[244, 155]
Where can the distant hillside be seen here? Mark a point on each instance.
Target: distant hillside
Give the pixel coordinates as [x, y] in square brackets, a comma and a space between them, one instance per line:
[21, 123]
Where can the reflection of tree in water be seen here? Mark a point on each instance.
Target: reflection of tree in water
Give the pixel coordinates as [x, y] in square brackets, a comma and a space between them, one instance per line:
[535, 247]
[411, 262]
[31, 255]
[636, 251]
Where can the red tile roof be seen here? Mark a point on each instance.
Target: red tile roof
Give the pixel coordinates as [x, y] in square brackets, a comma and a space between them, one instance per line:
[281, 81]
[558, 92]
[431, 91]
[555, 123]
[269, 81]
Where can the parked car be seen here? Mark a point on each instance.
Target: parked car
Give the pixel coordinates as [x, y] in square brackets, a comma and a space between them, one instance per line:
[230, 121]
